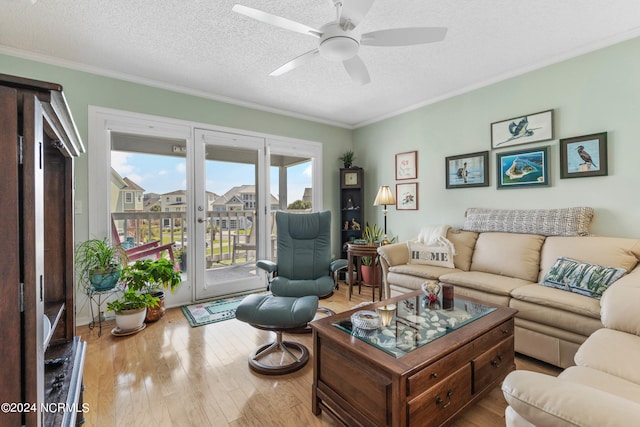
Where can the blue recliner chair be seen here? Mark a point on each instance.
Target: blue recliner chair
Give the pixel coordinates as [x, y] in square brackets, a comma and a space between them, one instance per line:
[301, 275]
[304, 265]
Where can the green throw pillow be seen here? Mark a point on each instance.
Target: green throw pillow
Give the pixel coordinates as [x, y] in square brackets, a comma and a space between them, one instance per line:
[580, 277]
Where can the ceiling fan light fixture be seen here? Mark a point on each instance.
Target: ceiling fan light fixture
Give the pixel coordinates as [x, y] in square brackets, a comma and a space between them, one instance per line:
[339, 48]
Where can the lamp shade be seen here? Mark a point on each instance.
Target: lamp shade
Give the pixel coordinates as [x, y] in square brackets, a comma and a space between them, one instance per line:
[384, 197]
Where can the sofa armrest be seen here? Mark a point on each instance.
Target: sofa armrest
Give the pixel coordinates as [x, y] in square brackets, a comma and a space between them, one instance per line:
[394, 254]
[544, 400]
[619, 304]
[391, 255]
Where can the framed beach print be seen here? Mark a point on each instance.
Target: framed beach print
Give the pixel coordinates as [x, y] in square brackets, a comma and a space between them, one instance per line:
[467, 170]
[407, 165]
[522, 130]
[523, 168]
[407, 196]
[583, 156]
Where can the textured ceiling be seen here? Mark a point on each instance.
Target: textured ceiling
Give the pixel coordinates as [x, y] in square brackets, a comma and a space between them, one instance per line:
[202, 47]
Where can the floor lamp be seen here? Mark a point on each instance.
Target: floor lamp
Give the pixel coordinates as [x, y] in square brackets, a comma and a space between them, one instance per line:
[384, 198]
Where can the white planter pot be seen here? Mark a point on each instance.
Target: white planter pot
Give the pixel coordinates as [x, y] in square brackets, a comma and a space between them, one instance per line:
[130, 320]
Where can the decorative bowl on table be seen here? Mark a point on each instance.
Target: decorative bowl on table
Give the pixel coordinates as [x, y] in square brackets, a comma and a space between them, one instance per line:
[365, 319]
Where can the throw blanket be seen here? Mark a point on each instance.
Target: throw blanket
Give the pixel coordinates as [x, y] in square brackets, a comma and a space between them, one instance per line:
[436, 235]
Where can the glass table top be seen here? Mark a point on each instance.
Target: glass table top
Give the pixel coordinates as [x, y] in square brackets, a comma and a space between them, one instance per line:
[414, 323]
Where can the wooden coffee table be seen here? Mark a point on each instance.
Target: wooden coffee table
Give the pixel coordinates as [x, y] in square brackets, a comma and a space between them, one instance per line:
[423, 369]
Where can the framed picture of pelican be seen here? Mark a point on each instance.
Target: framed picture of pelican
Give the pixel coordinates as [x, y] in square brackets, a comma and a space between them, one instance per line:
[522, 130]
[524, 168]
[467, 170]
[583, 156]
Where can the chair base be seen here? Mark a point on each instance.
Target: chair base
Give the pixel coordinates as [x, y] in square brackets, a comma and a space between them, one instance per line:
[296, 352]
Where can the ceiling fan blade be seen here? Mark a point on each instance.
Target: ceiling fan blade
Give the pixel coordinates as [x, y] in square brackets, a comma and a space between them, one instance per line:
[357, 70]
[277, 21]
[296, 62]
[354, 11]
[404, 36]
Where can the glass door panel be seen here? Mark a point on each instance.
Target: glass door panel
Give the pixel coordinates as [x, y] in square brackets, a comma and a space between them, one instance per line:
[229, 212]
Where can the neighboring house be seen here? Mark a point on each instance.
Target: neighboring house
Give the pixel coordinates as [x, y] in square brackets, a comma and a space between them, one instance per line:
[126, 195]
[239, 198]
[307, 196]
[132, 197]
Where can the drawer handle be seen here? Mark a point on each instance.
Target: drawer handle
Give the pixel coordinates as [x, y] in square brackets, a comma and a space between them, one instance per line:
[506, 331]
[433, 375]
[497, 362]
[439, 399]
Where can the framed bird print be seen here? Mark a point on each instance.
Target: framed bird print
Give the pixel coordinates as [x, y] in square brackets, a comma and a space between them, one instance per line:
[522, 130]
[583, 156]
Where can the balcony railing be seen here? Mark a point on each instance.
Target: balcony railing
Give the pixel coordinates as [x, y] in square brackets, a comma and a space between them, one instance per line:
[221, 226]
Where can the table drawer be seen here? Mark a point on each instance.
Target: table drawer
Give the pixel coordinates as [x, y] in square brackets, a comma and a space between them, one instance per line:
[440, 402]
[493, 365]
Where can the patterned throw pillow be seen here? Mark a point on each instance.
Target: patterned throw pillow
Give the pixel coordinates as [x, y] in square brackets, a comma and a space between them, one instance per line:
[580, 277]
[545, 222]
[420, 253]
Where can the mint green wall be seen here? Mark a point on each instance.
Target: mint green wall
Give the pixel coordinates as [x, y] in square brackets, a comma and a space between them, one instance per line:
[596, 92]
[83, 89]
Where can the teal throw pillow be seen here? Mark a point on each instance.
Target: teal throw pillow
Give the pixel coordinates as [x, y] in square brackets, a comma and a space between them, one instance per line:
[580, 277]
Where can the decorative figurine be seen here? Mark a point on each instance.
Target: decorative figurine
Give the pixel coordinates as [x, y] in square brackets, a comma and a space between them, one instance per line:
[355, 225]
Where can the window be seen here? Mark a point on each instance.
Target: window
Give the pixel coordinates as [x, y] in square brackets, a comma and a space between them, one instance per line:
[128, 197]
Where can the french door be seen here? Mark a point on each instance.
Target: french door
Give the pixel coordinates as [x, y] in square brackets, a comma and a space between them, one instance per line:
[231, 222]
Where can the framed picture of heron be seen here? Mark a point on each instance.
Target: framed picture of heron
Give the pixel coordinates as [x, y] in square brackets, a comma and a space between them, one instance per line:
[583, 156]
[523, 169]
[522, 130]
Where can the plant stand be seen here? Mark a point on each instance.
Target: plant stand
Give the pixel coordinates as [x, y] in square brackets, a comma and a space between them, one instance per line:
[99, 298]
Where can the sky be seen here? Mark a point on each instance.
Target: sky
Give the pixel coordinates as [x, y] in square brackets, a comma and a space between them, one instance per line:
[164, 174]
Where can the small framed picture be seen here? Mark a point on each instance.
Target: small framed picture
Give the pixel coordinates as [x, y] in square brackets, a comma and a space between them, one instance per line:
[583, 156]
[524, 168]
[407, 196]
[467, 170]
[522, 130]
[407, 165]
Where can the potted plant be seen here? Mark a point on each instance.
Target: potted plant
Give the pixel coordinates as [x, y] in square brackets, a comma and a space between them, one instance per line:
[131, 309]
[151, 277]
[99, 264]
[347, 158]
[372, 236]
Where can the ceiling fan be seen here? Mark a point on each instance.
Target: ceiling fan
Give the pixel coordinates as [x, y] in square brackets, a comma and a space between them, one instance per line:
[340, 40]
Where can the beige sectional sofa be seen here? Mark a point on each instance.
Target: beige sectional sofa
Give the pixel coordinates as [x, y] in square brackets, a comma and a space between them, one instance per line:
[506, 268]
[603, 389]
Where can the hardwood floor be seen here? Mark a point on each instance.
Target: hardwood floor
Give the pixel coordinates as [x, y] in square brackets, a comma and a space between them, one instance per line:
[171, 374]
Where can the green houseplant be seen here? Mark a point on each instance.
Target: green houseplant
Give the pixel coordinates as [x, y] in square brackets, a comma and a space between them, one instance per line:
[131, 309]
[151, 277]
[372, 236]
[347, 158]
[99, 264]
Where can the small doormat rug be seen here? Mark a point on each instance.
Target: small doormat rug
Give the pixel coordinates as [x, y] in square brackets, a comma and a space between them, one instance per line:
[212, 311]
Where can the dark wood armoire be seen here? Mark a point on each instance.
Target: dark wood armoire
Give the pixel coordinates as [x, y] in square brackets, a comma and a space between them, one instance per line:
[42, 359]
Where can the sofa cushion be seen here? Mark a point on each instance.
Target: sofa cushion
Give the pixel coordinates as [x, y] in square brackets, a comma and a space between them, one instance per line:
[603, 381]
[420, 253]
[421, 270]
[555, 298]
[547, 222]
[609, 251]
[464, 242]
[611, 351]
[586, 279]
[508, 254]
[544, 400]
[486, 282]
[406, 281]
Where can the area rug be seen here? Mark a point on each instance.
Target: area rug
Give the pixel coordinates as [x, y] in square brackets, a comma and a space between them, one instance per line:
[208, 312]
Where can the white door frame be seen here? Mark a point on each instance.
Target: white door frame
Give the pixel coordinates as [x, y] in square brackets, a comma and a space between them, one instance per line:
[103, 121]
